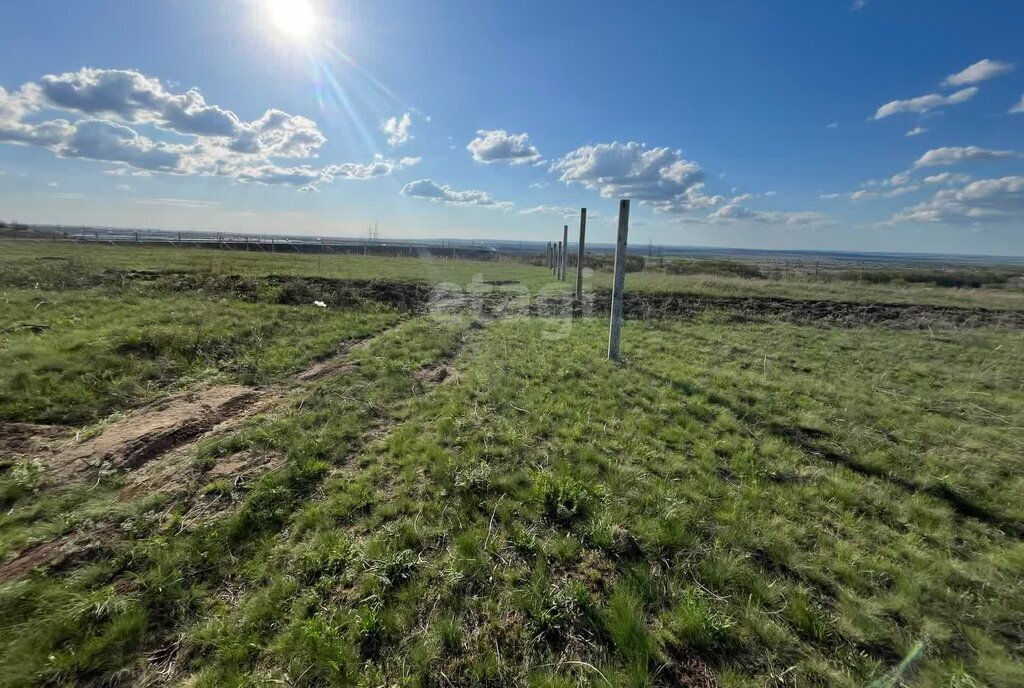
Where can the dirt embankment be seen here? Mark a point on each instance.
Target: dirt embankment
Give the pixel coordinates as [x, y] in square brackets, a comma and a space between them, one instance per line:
[495, 298]
[644, 306]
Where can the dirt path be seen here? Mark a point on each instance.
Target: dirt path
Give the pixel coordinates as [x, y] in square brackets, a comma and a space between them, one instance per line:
[152, 448]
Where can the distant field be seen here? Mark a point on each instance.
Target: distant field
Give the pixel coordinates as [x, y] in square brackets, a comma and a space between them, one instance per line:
[59, 257]
[215, 482]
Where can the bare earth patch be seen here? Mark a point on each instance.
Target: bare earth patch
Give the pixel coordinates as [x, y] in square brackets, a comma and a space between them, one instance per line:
[131, 442]
[53, 553]
[334, 364]
[32, 441]
[434, 375]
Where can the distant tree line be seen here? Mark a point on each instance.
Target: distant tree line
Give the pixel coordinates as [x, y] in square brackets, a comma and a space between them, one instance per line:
[16, 226]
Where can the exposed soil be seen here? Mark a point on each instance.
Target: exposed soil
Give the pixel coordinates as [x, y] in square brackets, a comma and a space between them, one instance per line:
[288, 289]
[434, 375]
[498, 300]
[689, 670]
[239, 470]
[333, 364]
[640, 306]
[131, 442]
[31, 441]
[77, 546]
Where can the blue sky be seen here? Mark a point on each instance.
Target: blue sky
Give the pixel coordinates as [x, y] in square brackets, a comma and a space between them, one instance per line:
[750, 124]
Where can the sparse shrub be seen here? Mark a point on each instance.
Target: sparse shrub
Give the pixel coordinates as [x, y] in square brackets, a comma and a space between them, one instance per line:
[20, 480]
[449, 632]
[218, 488]
[727, 268]
[693, 624]
[606, 262]
[297, 292]
[475, 479]
[558, 613]
[625, 625]
[317, 650]
[566, 500]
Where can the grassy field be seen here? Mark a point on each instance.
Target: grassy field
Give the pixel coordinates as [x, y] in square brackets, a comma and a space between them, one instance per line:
[469, 501]
[76, 356]
[62, 261]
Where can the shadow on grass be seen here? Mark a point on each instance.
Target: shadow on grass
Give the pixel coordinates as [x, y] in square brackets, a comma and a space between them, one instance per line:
[813, 441]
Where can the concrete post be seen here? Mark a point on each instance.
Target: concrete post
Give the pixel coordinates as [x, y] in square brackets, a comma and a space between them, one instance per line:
[579, 254]
[565, 249]
[618, 282]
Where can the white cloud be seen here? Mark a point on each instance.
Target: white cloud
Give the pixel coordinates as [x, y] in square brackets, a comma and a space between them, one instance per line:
[659, 177]
[1018, 108]
[925, 103]
[898, 179]
[947, 178]
[109, 103]
[832, 125]
[567, 212]
[539, 185]
[986, 200]
[431, 190]
[123, 187]
[176, 202]
[916, 131]
[109, 142]
[397, 129]
[858, 5]
[953, 155]
[865, 194]
[733, 213]
[500, 146]
[380, 167]
[979, 71]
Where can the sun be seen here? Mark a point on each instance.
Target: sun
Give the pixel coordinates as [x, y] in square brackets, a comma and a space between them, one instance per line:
[295, 18]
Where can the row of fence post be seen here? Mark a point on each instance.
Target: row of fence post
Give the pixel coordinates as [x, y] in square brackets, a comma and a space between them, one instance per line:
[557, 260]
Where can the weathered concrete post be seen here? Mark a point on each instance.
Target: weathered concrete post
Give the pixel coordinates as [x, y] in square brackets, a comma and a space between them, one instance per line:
[565, 251]
[579, 254]
[618, 282]
[558, 257]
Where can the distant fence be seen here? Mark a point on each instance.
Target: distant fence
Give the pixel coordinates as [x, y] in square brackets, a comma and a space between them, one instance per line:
[234, 242]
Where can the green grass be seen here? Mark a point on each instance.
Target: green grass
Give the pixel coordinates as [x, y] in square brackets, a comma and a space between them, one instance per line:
[806, 287]
[76, 356]
[546, 518]
[32, 258]
[759, 502]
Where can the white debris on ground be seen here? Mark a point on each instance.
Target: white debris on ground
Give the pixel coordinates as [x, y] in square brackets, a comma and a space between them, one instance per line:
[320, 304]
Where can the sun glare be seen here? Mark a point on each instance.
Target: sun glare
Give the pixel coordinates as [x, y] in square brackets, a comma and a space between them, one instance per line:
[294, 18]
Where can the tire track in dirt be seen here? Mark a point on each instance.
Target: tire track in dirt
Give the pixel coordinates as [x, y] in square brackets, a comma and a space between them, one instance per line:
[425, 378]
[151, 446]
